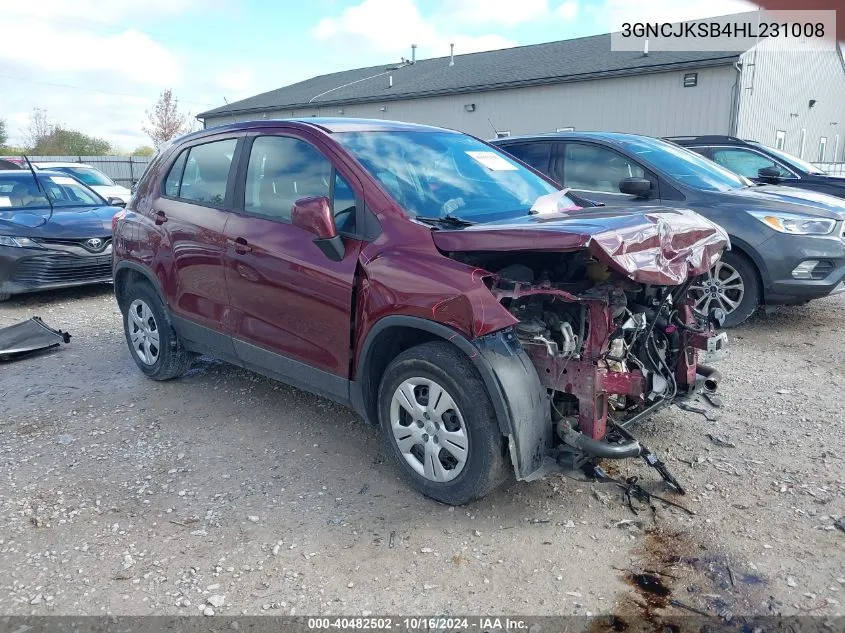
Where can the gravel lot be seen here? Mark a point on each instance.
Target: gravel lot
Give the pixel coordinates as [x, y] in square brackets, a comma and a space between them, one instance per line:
[228, 493]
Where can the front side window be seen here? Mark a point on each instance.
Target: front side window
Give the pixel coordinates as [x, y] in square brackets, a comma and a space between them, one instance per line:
[283, 169]
[435, 174]
[534, 154]
[595, 168]
[745, 163]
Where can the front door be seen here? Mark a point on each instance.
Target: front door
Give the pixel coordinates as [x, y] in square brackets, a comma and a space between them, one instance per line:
[594, 172]
[192, 211]
[292, 305]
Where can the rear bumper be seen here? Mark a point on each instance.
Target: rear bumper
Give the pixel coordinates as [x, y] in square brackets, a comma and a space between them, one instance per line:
[24, 270]
[783, 253]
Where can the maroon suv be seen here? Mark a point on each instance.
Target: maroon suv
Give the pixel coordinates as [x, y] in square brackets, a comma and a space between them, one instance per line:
[485, 319]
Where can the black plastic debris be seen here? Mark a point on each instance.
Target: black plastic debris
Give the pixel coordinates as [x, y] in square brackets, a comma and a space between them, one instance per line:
[29, 337]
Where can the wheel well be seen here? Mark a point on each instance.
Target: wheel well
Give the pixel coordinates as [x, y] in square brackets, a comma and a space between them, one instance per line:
[124, 278]
[388, 344]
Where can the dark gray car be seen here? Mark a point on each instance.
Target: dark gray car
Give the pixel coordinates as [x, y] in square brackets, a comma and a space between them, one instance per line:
[788, 245]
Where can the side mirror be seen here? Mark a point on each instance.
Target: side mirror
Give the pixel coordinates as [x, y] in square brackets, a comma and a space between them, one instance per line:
[637, 187]
[315, 216]
[116, 202]
[768, 173]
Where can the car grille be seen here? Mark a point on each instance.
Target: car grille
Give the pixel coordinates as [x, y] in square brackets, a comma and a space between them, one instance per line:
[81, 243]
[57, 269]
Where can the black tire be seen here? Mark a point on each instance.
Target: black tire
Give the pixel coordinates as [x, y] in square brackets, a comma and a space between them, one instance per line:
[721, 274]
[171, 360]
[485, 465]
[750, 277]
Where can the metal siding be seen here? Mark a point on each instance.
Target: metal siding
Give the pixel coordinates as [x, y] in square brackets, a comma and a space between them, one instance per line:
[777, 86]
[656, 104]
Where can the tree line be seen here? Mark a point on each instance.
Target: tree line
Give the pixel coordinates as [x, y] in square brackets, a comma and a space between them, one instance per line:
[46, 137]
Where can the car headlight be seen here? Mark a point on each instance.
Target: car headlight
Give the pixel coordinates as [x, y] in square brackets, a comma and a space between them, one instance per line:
[795, 223]
[19, 242]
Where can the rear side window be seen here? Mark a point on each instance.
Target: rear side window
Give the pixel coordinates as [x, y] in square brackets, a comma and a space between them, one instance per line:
[534, 154]
[174, 177]
[201, 172]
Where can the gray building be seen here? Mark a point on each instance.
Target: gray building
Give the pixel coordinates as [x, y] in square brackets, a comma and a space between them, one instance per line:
[794, 100]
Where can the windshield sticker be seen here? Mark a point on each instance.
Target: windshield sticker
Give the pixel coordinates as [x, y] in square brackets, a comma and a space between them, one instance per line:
[492, 161]
[556, 202]
[5, 201]
[63, 180]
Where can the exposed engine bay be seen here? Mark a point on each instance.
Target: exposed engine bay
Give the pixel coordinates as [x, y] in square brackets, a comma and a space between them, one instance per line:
[608, 350]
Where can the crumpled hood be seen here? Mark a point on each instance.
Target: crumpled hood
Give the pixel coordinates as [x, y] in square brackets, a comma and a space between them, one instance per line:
[68, 222]
[653, 245]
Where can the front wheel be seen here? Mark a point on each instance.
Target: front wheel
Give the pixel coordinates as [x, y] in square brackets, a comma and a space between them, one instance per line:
[439, 424]
[733, 285]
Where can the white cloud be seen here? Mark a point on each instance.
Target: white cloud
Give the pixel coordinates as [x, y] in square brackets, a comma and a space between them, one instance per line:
[504, 12]
[568, 10]
[97, 11]
[618, 12]
[374, 25]
[132, 54]
[236, 82]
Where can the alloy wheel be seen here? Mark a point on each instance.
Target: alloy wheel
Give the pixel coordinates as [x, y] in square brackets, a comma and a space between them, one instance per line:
[143, 331]
[429, 430]
[722, 288]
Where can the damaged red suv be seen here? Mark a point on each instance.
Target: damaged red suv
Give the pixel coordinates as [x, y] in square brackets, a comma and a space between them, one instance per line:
[488, 322]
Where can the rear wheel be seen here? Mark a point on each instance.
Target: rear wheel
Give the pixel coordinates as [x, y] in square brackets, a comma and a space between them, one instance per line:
[439, 424]
[732, 284]
[152, 340]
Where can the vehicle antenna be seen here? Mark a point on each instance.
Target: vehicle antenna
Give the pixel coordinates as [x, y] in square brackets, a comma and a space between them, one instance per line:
[40, 188]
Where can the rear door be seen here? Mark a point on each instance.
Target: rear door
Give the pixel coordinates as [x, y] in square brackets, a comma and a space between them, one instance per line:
[192, 210]
[292, 305]
[594, 171]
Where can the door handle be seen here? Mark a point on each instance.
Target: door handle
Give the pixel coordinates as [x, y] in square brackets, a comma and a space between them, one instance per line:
[160, 218]
[241, 246]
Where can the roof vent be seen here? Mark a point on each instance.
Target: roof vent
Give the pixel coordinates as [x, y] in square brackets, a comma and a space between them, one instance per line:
[390, 81]
[451, 54]
[413, 53]
[645, 49]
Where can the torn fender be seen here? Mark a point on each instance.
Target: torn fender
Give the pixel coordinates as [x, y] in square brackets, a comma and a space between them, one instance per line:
[652, 245]
[528, 426]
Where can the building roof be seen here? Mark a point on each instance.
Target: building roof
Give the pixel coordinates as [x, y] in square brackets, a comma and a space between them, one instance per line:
[553, 62]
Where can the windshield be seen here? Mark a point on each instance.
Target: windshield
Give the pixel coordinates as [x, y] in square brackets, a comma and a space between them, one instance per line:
[795, 162]
[684, 165]
[88, 175]
[19, 191]
[438, 174]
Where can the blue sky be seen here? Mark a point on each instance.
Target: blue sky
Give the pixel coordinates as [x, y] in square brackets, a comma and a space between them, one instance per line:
[97, 65]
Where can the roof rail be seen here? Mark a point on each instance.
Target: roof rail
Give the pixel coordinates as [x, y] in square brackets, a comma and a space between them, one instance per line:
[707, 138]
